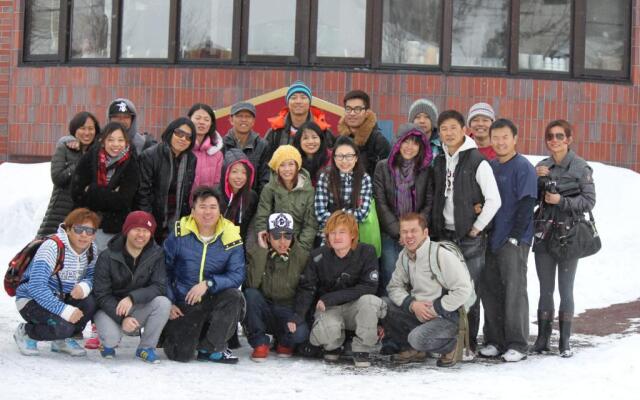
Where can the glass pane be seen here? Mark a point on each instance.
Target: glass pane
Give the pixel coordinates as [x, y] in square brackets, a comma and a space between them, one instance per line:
[411, 31]
[479, 37]
[91, 29]
[272, 27]
[145, 29]
[606, 34]
[341, 28]
[206, 27]
[545, 35]
[44, 25]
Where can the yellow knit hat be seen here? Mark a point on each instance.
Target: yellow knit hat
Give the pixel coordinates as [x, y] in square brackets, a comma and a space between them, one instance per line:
[284, 153]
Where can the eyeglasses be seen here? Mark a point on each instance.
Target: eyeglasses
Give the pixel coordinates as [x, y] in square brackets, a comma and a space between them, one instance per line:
[558, 136]
[80, 229]
[281, 235]
[344, 157]
[354, 110]
[182, 134]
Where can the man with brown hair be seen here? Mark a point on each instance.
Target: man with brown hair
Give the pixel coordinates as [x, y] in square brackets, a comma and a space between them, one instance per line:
[339, 282]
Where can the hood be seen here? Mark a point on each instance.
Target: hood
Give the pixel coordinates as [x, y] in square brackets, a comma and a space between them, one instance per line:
[280, 120]
[208, 147]
[395, 150]
[134, 118]
[225, 230]
[363, 132]
[466, 145]
[231, 157]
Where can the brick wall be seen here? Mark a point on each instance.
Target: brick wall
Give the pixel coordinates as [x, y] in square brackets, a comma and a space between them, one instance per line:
[42, 100]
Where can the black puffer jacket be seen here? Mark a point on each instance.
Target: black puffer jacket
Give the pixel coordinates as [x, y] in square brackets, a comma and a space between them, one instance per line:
[112, 202]
[114, 279]
[158, 168]
[63, 165]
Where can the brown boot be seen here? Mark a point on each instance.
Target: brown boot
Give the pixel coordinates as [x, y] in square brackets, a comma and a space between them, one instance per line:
[409, 356]
[447, 360]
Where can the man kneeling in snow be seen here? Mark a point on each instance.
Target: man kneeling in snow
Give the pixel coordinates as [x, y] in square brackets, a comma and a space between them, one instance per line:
[425, 296]
[130, 286]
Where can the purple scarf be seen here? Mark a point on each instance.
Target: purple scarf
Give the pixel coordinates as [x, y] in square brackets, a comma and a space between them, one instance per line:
[405, 194]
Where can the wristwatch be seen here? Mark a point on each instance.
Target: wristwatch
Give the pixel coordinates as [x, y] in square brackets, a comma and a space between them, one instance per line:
[209, 283]
[513, 241]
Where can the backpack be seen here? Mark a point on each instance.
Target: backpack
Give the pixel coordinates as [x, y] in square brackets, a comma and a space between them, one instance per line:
[437, 271]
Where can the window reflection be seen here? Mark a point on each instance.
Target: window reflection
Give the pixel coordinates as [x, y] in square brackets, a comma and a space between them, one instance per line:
[341, 28]
[44, 25]
[206, 28]
[91, 28]
[545, 35]
[145, 29]
[605, 34]
[272, 27]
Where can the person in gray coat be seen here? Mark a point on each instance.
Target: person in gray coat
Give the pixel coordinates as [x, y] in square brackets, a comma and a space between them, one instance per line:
[83, 128]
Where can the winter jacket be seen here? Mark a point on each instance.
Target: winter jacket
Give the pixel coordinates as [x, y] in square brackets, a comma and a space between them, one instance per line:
[573, 177]
[276, 278]
[190, 260]
[372, 144]
[472, 182]
[63, 165]
[158, 169]
[113, 202]
[297, 202]
[256, 151]
[210, 159]
[41, 285]
[336, 280]
[140, 141]
[114, 279]
[385, 194]
[280, 132]
[224, 190]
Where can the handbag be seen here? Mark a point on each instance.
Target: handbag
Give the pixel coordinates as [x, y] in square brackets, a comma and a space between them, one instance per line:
[575, 237]
[369, 229]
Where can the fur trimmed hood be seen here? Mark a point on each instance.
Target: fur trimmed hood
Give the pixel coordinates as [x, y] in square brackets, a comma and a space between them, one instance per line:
[363, 132]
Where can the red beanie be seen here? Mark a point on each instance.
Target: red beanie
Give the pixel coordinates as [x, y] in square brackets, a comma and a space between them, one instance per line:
[139, 219]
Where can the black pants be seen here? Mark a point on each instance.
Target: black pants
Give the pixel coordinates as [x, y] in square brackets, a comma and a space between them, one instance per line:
[504, 297]
[546, 267]
[205, 326]
[44, 325]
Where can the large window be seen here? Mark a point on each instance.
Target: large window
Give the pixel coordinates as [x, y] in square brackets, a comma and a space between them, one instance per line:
[562, 39]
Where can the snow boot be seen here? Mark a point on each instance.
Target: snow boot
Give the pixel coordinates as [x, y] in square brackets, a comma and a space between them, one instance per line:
[545, 321]
[565, 333]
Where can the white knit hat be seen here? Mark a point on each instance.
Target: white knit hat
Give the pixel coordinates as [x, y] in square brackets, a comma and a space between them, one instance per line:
[481, 109]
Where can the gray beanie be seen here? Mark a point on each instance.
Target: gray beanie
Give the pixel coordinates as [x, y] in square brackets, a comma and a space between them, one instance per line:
[423, 106]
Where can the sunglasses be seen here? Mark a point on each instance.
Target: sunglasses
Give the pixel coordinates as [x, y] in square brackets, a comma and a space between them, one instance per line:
[557, 136]
[281, 235]
[80, 229]
[182, 134]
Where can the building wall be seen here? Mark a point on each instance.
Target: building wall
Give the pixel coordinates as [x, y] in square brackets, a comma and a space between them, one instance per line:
[36, 103]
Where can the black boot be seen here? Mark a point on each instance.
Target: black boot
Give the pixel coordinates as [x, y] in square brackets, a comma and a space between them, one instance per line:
[565, 333]
[545, 320]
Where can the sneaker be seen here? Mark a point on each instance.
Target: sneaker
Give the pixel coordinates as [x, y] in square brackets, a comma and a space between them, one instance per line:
[489, 351]
[284, 351]
[107, 352]
[26, 345]
[566, 353]
[222, 357]
[468, 355]
[148, 355]
[332, 355]
[260, 353]
[513, 356]
[409, 356]
[93, 342]
[361, 360]
[68, 346]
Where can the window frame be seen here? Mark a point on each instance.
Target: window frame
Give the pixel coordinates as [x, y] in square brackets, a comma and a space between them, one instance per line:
[306, 22]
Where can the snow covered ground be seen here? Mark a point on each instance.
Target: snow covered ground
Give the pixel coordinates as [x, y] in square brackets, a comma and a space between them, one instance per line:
[605, 369]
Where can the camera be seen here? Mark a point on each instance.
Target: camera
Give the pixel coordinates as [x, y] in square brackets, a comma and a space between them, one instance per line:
[551, 187]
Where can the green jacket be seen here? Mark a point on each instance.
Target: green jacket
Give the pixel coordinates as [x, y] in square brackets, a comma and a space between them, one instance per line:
[297, 202]
[275, 278]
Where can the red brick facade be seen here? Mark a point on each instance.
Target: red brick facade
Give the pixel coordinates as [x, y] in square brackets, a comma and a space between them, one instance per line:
[36, 103]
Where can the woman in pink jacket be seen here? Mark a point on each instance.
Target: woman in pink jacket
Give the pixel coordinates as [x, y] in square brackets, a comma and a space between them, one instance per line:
[208, 146]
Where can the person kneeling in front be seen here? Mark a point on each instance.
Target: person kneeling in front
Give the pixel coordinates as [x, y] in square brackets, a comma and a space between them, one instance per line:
[205, 267]
[427, 289]
[272, 278]
[130, 287]
[340, 279]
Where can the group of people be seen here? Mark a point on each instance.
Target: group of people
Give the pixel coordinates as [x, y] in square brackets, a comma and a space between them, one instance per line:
[318, 244]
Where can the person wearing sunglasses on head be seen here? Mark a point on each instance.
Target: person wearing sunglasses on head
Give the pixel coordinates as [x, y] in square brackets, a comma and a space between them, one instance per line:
[272, 278]
[167, 172]
[565, 189]
[58, 305]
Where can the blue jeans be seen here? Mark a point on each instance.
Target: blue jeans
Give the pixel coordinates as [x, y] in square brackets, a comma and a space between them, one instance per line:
[390, 251]
[263, 316]
[44, 325]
